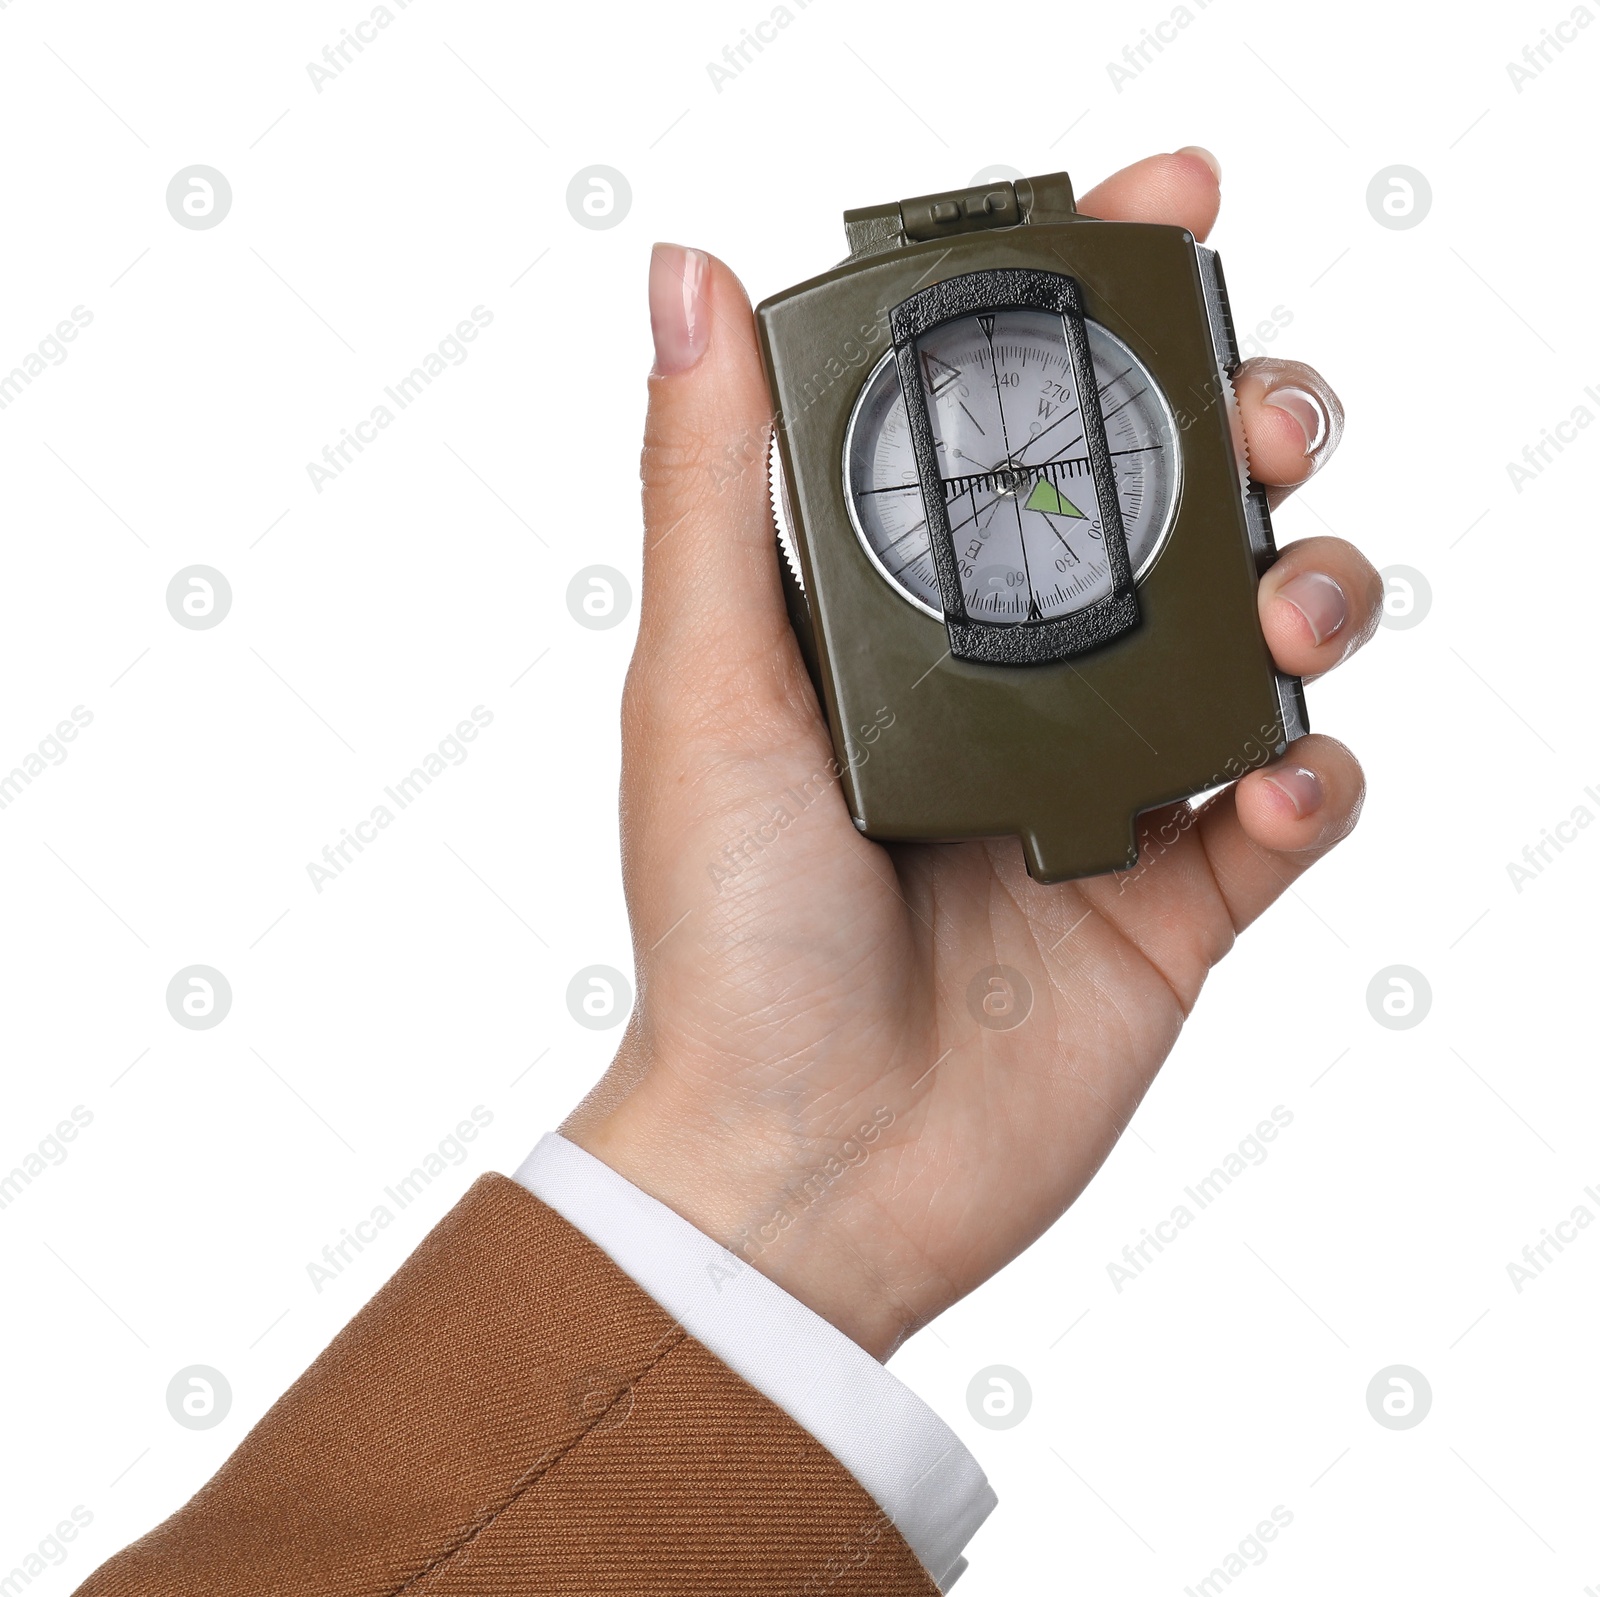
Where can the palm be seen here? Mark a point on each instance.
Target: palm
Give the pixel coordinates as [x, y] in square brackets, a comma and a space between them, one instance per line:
[821, 982]
[798, 983]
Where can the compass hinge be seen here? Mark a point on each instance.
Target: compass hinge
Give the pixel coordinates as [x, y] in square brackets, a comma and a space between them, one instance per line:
[960, 211]
[876, 228]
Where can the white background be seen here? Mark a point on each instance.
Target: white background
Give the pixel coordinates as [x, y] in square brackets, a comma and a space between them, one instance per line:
[430, 177]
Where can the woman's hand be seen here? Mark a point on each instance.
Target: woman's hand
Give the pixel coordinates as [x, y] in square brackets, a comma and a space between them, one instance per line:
[805, 1076]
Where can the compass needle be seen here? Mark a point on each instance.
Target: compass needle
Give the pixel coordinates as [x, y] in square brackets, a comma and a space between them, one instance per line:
[1048, 498]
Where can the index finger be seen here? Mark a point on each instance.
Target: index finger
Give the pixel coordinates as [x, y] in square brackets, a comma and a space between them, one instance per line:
[1181, 190]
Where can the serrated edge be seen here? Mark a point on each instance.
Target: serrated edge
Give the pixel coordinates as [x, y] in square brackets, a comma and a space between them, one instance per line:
[778, 503]
[1211, 293]
[1241, 444]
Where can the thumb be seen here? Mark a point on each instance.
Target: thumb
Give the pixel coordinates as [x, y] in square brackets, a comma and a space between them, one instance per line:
[711, 602]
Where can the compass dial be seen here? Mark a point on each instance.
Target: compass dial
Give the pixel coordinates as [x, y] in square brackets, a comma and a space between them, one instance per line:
[1019, 492]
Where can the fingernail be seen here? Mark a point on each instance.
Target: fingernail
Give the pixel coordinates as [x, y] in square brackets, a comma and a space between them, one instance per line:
[1320, 600]
[1301, 787]
[1306, 409]
[680, 319]
[1205, 155]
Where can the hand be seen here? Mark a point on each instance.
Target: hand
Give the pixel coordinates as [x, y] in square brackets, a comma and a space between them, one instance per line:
[802, 1077]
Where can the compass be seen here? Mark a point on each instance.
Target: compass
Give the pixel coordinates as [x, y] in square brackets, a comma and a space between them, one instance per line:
[1029, 536]
[1021, 546]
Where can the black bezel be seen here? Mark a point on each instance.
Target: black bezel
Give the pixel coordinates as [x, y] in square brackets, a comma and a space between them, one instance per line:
[1024, 642]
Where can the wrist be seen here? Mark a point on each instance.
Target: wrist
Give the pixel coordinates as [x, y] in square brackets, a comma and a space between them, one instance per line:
[795, 1208]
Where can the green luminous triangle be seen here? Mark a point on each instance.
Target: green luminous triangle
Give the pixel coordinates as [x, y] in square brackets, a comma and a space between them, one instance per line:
[1048, 498]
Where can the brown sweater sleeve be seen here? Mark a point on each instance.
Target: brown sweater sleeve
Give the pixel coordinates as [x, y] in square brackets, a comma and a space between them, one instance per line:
[512, 1415]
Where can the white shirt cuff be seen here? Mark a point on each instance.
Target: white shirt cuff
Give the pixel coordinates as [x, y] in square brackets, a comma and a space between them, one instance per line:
[904, 1456]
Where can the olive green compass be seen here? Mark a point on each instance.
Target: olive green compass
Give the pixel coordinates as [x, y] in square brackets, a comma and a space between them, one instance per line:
[1020, 542]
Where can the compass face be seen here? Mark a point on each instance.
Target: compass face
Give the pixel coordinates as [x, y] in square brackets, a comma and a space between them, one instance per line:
[1020, 495]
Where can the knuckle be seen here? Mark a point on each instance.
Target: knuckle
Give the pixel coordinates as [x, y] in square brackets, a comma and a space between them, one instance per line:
[685, 471]
[674, 464]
